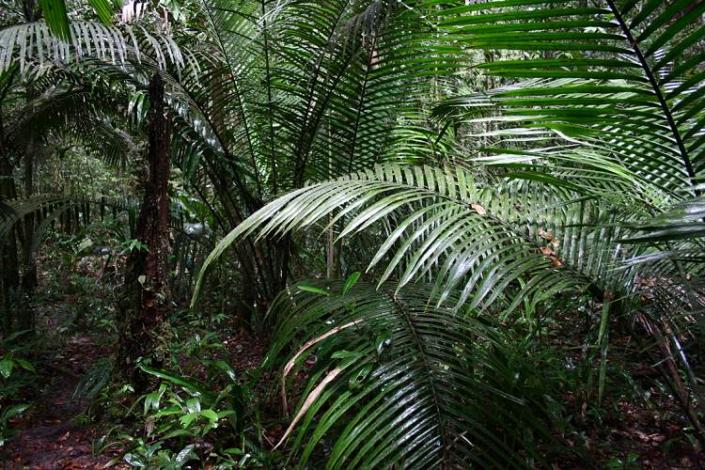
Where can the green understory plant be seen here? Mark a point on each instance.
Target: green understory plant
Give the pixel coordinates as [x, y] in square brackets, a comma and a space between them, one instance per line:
[459, 387]
[17, 375]
[184, 419]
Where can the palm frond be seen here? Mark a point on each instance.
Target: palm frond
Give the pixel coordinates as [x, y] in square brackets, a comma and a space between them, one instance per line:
[397, 383]
[46, 207]
[34, 46]
[601, 74]
[463, 233]
[678, 239]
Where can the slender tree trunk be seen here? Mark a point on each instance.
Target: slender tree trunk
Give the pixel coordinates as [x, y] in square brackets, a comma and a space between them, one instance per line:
[75, 213]
[332, 252]
[29, 272]
[9, 262]
[147, 301]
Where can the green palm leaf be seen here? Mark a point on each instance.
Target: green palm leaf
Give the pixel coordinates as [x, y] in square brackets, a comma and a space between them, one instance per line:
[399, 383]
[600, 74]
[463, 233]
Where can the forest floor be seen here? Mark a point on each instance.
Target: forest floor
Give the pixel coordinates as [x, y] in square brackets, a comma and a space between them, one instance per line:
[640, 423]
[53, 436]
[629, 433]
[55, 433]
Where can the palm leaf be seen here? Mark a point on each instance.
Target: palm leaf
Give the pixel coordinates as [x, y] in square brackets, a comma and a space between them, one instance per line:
[33, 45]
[601, 74]
[399, 383]
[447, 225]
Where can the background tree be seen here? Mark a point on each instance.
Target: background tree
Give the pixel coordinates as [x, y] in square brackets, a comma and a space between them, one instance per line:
[147, 298]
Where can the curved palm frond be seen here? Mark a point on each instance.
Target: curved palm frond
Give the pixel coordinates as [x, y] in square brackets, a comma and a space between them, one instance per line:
[34, 47]
[621, 76]
[63, 106]
[463, 233]
[683, 221]
[46, 207]
[399, 383]
[375, 67]
[678, 235]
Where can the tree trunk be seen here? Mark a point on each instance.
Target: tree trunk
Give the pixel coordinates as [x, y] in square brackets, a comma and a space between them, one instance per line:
[29, 272]
[9, 262]
[144, 333]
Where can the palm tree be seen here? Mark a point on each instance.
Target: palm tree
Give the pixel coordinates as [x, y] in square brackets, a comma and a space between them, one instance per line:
[87, 80]
[595, 131]
[288, 92]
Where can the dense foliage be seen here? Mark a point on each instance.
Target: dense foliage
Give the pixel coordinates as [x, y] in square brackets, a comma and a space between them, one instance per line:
[462, 229]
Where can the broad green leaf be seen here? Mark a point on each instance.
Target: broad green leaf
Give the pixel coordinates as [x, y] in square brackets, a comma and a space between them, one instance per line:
[56, 18]
[25, 364]
[6, 366]
[210, 415]
[104, 10]
[189, 418]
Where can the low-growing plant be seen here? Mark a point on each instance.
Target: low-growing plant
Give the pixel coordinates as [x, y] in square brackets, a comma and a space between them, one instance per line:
[183, 419]
[17, 375]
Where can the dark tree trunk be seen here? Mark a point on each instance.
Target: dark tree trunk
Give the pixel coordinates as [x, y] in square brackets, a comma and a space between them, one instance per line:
[67, 222]
[28, 281]
[9, 262]
[76, 214]
[147, 300]
[86, 213]
[29, 272]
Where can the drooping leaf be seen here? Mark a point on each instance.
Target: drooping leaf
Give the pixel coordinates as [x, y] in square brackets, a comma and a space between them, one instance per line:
[56, 18]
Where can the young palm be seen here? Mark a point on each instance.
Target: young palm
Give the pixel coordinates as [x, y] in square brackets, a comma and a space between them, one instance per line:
[596, 130]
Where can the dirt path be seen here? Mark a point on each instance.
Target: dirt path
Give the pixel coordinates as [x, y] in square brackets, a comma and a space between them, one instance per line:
[51, 437]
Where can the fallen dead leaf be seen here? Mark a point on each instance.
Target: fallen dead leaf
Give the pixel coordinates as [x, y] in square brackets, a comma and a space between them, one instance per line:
[310, 399]
[546, 235]
[479, 209]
